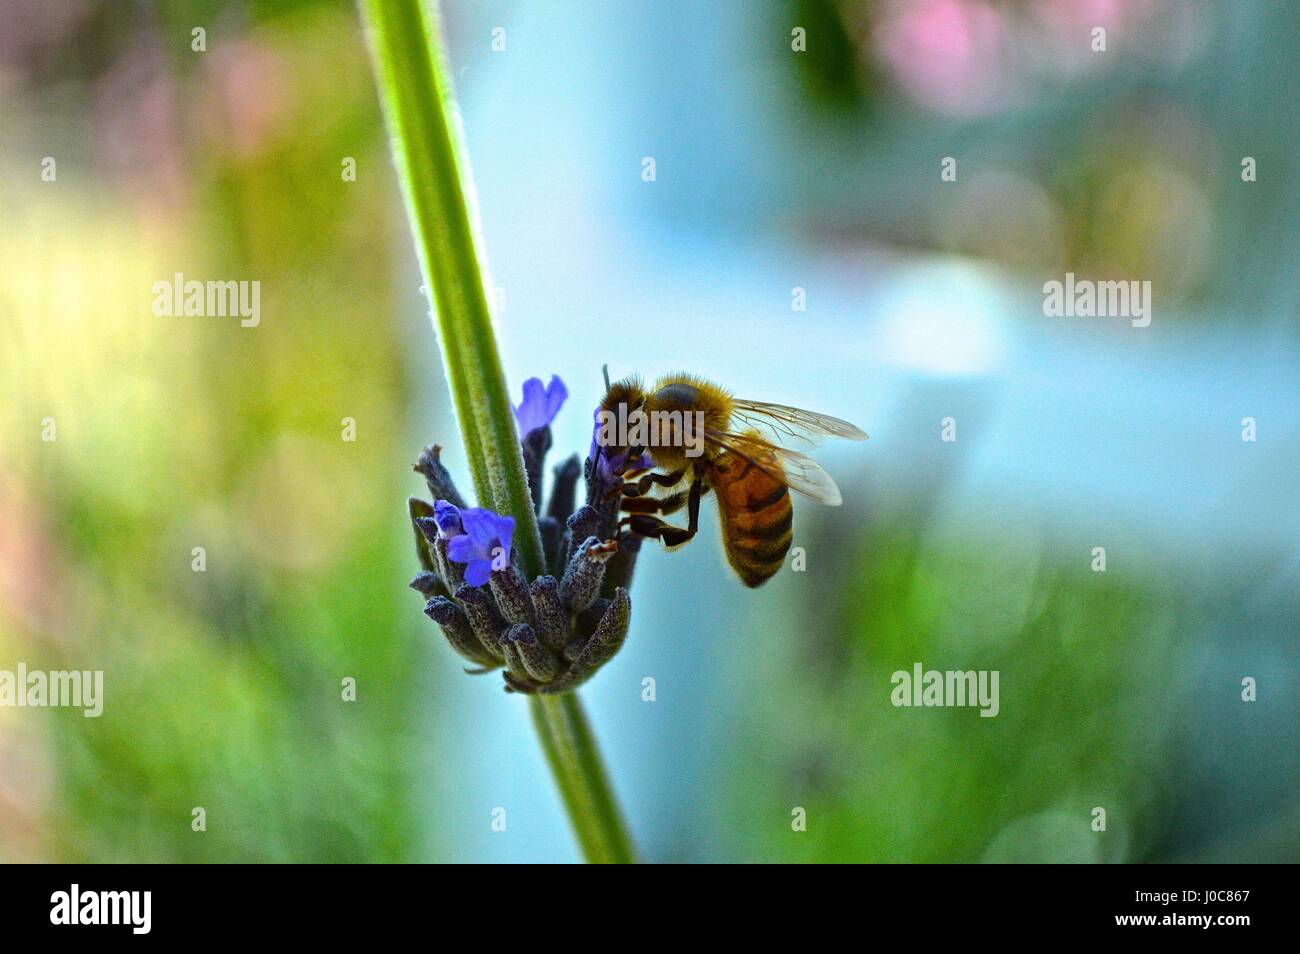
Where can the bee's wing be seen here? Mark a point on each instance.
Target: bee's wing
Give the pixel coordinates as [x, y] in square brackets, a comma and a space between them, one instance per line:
[792, 424]
[797, 471]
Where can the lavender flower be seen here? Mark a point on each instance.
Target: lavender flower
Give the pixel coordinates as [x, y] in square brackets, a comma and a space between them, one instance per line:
[483, 543]
[540, 405]
[552, 633]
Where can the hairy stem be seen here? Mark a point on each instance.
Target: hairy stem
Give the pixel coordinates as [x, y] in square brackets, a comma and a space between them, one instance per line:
[406, 50]
[421, 115]
[575, 760]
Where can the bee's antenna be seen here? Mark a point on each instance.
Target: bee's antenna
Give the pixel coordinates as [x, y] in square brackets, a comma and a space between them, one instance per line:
[604, 369]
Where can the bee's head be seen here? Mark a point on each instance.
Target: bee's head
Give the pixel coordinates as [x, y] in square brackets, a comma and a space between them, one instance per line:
[622, 399]
[629, 391]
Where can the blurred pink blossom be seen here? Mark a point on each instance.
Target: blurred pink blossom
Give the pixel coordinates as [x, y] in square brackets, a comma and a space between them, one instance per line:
[137, 116]
[949, 54]
[247, 83]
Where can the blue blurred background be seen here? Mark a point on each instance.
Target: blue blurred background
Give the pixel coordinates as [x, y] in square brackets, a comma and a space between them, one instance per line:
[774, 170]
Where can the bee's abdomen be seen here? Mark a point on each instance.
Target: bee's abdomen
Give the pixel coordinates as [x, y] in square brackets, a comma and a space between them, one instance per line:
[756, 520]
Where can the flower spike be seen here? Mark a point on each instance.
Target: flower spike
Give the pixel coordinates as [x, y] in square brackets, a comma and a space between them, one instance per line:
[552, 633]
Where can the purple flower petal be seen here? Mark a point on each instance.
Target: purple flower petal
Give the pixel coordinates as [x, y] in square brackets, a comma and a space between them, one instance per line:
[505, 531]
[476, 574]
[462, 549]
[484, 532]
[556, 395]
[447, 517]
[480, 525]
[540, 405]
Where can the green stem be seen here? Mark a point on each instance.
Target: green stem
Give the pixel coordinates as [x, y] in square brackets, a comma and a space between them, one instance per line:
[406, 50]
[575, 761]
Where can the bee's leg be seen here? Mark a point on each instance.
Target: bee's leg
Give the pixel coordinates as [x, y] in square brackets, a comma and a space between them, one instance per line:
[660, 505]
[640, 487]
[662, 530]
[693, 503]
[618, 489]
[650, 526]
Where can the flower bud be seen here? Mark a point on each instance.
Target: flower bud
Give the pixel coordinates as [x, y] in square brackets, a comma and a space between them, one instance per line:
[582, 578]
[540, 664]
[590, 654]
[426, 583]
[456, 627]
[546, 635]
[484, 617]
[511, 594]
[552, 621]
[429, 464]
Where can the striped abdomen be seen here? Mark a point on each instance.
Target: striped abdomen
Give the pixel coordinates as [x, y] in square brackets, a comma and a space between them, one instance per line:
[756, 516]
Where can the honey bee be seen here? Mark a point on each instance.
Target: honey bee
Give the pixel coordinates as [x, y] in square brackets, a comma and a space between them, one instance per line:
[710, 441]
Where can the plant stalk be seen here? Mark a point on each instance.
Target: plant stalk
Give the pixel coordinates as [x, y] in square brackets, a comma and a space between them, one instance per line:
[575, 761]
[405, 42]
[420, 111]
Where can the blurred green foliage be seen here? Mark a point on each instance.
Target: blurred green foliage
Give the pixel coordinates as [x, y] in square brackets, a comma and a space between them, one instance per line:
[1089, 681]
[223, 687]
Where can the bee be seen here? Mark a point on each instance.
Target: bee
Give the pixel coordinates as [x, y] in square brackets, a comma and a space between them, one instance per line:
[721, 444]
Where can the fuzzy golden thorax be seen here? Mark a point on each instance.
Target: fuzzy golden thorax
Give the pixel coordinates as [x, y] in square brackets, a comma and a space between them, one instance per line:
[678, 408]
[685, 394]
